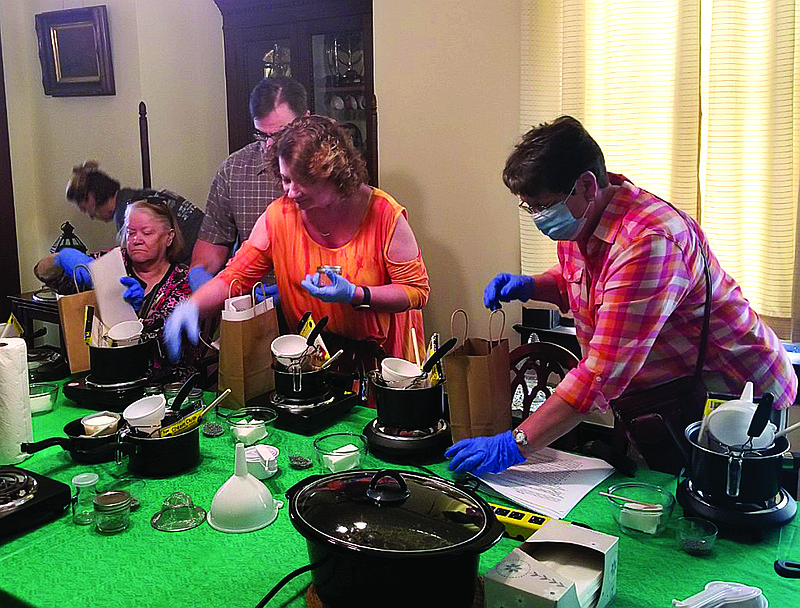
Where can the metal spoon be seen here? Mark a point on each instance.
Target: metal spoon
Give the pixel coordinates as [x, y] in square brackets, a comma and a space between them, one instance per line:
[433, 360]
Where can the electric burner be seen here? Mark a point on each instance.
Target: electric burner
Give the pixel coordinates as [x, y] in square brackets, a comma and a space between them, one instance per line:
[407, 445]
[111, 397]
[309, 416]
[28, 500]
[774, 512]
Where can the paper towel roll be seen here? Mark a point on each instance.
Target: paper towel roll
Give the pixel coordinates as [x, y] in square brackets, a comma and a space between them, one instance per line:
[15, 407]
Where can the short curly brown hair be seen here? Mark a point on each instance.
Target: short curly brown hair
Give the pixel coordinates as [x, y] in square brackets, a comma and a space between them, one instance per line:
[317, 148]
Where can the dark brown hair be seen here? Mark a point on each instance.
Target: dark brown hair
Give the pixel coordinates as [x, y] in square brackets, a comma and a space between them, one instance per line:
[551, 157]
[87, 178]
[160, 209]
[275, 90]
[317, 148]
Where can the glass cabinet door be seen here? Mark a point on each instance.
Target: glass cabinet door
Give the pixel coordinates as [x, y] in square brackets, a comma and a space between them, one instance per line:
[337, 62]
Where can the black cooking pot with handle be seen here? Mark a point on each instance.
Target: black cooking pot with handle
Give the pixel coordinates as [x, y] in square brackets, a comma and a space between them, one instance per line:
[111, 365]
[81, 448]
[392, 538]
[735, 476]
[158, 456]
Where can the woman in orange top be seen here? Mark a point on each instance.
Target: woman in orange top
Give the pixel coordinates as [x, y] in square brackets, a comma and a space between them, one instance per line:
[328, 216]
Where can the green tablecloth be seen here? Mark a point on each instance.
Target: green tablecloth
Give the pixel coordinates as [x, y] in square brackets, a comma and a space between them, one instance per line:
[63, 564]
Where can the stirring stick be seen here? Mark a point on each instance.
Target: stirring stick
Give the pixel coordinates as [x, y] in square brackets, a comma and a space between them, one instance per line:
[416, 348]
[648, 505]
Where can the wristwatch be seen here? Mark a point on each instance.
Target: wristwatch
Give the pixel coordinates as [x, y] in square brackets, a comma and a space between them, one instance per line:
[366, 300]
[520, 438]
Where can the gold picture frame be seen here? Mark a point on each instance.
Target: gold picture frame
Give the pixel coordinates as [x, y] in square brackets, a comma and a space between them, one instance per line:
[75, 52]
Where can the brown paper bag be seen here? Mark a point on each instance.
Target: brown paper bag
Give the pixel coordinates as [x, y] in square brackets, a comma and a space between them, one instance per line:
[479, 384]
[72, 315]
[245, 358]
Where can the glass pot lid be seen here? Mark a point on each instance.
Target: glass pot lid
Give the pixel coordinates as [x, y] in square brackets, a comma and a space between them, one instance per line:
[390, 510]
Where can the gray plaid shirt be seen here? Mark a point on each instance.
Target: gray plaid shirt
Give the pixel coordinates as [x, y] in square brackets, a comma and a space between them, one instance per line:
[239, 194]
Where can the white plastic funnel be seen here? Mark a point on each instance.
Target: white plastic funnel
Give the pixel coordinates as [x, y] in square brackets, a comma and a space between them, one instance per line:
[243, 503]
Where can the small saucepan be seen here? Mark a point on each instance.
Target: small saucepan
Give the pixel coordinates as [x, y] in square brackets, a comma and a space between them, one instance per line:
[81, 447]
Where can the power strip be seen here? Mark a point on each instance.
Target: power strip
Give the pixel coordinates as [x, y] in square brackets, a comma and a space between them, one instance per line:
[518, 524]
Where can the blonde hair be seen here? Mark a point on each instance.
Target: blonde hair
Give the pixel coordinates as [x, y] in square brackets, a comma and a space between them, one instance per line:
[159, 208]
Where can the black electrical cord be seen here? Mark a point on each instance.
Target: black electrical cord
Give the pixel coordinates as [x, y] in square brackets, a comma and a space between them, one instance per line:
[289, 577]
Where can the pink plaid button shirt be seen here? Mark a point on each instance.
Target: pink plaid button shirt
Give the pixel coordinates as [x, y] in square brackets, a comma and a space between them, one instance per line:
[637, 298]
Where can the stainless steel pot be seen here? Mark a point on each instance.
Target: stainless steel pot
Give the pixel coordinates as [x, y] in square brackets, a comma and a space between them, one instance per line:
[736, 476]
[392, 538]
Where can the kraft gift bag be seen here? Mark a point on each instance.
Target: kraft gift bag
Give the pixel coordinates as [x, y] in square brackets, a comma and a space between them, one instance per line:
[479, 383]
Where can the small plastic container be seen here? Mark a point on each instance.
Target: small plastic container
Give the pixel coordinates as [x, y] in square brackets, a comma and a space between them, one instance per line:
[112, 512]
[43, 396]
[399, 373]
[250, 425]
[340, 451]
[101, 423]
[85, 486]
[695, 535]
[635, 518]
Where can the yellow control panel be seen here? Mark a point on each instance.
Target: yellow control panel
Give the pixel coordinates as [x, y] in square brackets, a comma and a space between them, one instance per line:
[518, 524]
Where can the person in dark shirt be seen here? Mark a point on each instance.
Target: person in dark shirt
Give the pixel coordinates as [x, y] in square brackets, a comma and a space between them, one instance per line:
[99, 196]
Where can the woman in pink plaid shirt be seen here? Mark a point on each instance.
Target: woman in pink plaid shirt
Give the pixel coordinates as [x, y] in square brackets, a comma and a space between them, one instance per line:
[631, 271]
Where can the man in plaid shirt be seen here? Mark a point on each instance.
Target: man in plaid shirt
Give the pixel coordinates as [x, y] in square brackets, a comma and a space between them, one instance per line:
[631, 271]
[244, 185]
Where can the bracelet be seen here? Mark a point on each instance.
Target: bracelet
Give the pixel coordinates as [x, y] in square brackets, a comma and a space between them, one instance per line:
[366, 300]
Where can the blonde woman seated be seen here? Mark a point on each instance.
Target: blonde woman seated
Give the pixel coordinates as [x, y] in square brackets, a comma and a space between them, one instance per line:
[151, 244]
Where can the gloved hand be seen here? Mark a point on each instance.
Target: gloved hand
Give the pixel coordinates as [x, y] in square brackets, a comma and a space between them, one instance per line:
[506, 287]
[185, 319]
[198, 276]
[481, 455]
[68, 258]
[134, 295]
[270, 291]
[339, 290]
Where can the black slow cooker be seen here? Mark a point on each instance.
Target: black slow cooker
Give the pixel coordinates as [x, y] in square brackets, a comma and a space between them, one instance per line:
[392, 538]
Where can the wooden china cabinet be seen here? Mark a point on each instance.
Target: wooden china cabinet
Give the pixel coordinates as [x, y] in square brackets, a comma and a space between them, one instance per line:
[325, 44]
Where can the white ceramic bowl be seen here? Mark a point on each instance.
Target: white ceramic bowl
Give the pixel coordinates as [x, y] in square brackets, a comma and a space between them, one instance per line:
[398, 373]
[127, 330]
[146, 412]
[289, 350]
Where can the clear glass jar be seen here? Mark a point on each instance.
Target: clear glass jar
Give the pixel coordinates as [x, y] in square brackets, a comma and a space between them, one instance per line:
[194, 401]
[171, 391]
[83, 500]
[112, 512]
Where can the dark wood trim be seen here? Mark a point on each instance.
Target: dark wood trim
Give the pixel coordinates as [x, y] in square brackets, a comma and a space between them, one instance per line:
[9, 269]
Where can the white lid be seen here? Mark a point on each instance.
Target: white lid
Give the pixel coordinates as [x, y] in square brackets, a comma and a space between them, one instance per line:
[85, 479]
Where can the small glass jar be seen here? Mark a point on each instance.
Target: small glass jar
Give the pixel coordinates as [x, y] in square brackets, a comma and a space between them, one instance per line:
[171, 391]
[112, 512]
[194, 401]
[83, 500]
[323, 273]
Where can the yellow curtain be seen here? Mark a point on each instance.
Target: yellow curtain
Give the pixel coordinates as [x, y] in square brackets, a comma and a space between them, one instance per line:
[694, 100]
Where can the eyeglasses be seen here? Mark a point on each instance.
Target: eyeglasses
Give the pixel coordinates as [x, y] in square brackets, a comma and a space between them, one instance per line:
[262, 137]
[534, 209]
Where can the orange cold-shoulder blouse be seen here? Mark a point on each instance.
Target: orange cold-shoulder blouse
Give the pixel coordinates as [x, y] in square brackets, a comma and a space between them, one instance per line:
[364, 261]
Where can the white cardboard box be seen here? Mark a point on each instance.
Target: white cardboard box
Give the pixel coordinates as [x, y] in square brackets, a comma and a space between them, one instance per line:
[522, 580]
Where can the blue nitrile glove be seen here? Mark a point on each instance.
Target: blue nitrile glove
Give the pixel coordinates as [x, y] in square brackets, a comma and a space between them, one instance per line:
[270, 291]
[134, 295]
[481, 455]
[185, 319]
[339, 290]
[506, 287]
[68, 259]
[198, 276]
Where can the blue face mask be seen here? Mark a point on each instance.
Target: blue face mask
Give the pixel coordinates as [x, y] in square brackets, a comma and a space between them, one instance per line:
[558, 223]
